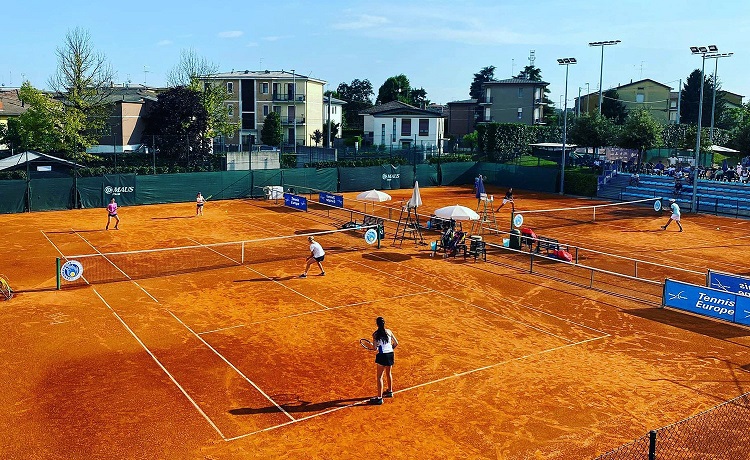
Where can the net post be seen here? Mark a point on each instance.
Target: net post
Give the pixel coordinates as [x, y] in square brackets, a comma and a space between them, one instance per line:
[378, 232]
[57, 272]
[576, 255]
[652, 445]
[512, 215]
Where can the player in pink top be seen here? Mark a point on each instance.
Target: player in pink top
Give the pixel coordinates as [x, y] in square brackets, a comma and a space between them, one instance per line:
[112, 210]
[199, 202]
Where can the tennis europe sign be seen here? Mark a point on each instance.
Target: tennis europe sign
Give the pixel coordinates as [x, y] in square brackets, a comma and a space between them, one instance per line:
[295, 201]
[728, 282]
[706, 301]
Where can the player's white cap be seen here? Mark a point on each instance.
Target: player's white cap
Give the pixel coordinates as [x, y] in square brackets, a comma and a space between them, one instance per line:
[671, 200]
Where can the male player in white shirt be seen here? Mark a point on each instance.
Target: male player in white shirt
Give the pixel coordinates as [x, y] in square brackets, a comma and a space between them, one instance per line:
[317, 254]
[675, 215]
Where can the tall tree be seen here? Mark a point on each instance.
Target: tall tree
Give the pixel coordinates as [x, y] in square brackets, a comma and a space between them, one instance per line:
[83, 82]
[192, 71]
[334, 132]
[176, 124]
[40, 127]
[740, 136]
[640, 132]
[591, 130]
[271, 134]
[483, 76]
[613, 108]
[358, 96]
[691, 97]
[394, 89]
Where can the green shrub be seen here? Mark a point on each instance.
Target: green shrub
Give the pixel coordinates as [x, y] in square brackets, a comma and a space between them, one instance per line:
[578, 182]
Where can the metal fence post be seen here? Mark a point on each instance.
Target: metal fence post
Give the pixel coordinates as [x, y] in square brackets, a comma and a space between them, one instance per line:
[531, 262]
[652, 445]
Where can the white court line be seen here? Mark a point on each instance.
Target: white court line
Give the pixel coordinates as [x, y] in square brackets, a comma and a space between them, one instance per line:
[61, 254]
[233, 367]
[442, 379]
[264, 276]
[118, 268]
[312, 311]
[161, 366]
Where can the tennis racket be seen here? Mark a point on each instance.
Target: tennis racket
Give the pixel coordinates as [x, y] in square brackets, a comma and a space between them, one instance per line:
[366, 344]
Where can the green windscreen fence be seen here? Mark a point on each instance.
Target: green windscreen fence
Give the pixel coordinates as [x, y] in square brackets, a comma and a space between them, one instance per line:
[51, 194]
[121, 187]
[363, 178]
[407, 176]
[426, 175]
[305, 180]
[91, 192]
[265, 178]
[458, 173]
[525, 177]
[12, 196]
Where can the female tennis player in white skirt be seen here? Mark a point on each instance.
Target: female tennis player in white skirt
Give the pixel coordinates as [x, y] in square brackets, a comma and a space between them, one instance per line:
[384, 342]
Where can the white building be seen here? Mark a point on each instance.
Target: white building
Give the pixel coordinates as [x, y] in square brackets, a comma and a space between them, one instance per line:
[400, 126]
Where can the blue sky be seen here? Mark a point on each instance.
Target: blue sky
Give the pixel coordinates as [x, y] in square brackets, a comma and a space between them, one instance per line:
[438, 44]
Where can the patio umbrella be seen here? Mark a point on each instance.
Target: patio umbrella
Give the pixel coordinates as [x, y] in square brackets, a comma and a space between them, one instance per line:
[376, 196]
[416, 199]
[457, 212]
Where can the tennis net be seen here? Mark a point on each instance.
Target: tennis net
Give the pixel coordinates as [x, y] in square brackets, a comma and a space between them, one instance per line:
[562, 217]
[285, 251]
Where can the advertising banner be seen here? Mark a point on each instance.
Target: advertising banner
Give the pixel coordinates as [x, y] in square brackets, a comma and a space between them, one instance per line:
[390, 177]
[700, 299]
[121, 187]
[295, 201]
[331, 199]
[728, 282]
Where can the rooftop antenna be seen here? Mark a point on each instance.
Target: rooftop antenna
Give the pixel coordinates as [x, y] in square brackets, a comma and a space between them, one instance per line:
[532, 58]
[145, 74]
[260, 65]
[512, 67]
[642, 69]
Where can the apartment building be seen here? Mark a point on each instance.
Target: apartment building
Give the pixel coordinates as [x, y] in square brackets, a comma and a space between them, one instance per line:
[515, 100]
[402, 126]
[252, 95]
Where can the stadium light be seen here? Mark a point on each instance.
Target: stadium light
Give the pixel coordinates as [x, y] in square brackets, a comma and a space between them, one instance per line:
[601, 66]
[567, 62]
[716, 56]
[703, 51]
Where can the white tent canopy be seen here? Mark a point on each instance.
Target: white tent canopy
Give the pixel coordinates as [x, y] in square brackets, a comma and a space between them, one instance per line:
[720, 149]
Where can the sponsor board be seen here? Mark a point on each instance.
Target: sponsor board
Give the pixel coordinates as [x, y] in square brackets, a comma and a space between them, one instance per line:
[728, 282]
[331, 199]
[706, 301]
[295, 201]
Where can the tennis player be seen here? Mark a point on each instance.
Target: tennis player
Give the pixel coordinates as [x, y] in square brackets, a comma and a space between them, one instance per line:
[317, 254]
[384, 343]
[508, 199]
[675, 215]
[112, 211]
[199, 202]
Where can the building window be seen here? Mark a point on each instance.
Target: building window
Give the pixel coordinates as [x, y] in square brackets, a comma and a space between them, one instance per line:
[673, 104]
[406, 126]
[277, 109]
[424, 127]
[230, 87]
[393, 131]
[264, 87]
[265, 110]
[230, 110]
[520, 92]
[382, 134]
[520, 113]
[640, 97]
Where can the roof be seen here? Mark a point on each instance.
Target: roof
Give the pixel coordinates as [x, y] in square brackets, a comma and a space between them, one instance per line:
[333, 101]
[465, 101]
[515, 81]
[720, 149]
[130, 94]
[730, 92]
[397, 107]
[262, 74]
[639, 82]
[553, 145]
[22, 158]
[10, 104]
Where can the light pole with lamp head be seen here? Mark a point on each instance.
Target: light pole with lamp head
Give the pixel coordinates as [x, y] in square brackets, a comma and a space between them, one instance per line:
[704, 52]
[567, 62]
[294, 119]
[713, 102]
[601, 66]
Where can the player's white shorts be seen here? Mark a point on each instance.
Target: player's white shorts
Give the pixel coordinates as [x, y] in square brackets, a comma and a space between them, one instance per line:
[506, 200]
[676, 217]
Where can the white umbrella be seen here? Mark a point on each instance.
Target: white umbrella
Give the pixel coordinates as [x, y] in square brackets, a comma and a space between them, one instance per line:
[374, 195]
[416, 199]
[457, 212]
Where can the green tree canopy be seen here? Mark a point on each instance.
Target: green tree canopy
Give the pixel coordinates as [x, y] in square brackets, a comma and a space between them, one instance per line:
[640, 132]
[691, 97]
[613, 108]
[41, 127]
[271, 134]
[483, 76]
[358, 96]
[394, 89]
[591, 130]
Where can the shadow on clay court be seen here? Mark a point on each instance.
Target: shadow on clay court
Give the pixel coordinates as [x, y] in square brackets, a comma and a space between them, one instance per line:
[691, 323]
[267, 279]
[72, 232]
[297, 406]
[172, 217]
[391, 256]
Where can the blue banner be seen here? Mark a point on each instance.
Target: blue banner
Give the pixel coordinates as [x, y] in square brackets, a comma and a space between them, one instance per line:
[729, 283]
[331, 199]
[742, 312]
[295, 201]
[699, 299]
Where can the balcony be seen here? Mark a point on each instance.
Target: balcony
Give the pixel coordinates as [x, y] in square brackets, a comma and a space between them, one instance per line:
[539, 101]
[288, 97]
[292, 120]
[485, 119]
[485, 100]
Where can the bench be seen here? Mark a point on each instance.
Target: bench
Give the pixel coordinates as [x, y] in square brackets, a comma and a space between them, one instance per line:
[477, 248]
[548, 244]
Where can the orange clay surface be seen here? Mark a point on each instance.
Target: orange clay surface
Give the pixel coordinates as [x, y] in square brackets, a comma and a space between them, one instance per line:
[250, 361]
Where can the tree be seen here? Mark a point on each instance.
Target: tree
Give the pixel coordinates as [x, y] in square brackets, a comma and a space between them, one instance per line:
[483, 76]
[591, 130]
[613, 108]
[640, 132]
[470, 140]
[175, 125]
[394, 89]
[271, 134]
[334, 131]
[83, 82]
[740, 136]
[358, 96]
[41, 127]
[691, 97]
[316, 136]
[192, 71]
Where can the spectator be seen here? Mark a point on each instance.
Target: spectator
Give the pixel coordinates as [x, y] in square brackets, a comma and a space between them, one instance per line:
[659, 168]
[677, 184]
[635, 180]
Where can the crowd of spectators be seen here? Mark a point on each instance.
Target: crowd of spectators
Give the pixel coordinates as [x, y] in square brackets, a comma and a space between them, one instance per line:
[686, 174]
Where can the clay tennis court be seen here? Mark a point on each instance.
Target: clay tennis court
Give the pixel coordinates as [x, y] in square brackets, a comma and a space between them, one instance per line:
[249, 361]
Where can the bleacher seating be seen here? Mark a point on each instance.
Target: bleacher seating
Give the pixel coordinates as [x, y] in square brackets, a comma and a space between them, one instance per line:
[715, 197]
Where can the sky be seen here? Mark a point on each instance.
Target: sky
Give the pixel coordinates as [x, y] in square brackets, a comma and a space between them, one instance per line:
[437, 44]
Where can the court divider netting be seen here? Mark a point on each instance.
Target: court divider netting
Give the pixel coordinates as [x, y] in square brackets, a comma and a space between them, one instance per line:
[150, 263]
[560, 217]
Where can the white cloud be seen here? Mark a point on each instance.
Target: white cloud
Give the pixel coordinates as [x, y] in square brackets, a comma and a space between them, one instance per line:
[230, 34]
[252, 44]
[361, 21]
[164, 43]
[273, 38]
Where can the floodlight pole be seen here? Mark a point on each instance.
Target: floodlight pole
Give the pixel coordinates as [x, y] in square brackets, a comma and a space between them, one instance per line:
[566, 62]
[694, 199]
[601, 66]
[294, 120]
